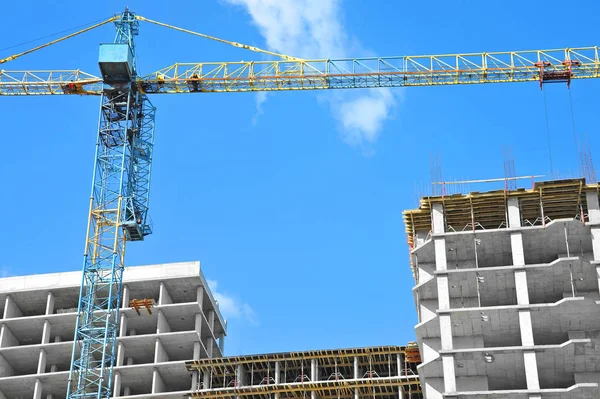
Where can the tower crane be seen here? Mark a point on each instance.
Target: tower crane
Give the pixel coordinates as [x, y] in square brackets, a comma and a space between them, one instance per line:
[118, 208]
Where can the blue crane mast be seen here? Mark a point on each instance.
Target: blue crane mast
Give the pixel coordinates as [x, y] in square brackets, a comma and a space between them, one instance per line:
[118, 211]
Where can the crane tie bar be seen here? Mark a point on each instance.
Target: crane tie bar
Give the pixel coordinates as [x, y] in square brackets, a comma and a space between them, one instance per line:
[235, 44]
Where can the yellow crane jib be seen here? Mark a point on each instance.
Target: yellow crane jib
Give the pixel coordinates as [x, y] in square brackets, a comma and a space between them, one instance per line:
[543, 66]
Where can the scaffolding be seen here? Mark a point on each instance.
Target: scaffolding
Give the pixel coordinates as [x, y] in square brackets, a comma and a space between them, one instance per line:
[383, 372]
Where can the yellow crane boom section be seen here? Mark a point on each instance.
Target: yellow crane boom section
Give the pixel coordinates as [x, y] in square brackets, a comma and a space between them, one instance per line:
[558, 65]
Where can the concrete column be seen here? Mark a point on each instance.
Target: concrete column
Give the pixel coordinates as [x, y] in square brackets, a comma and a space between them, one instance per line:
[47, 330]
[206, 383]
[162, 325]
[222, 343]
[129, 361]
[195, 380]
[437, 219]
[163, 297]
[441, 265]
[526, 327]
[126, 391]
[209, 346]
[594, 218]
[37, 389]
[531, 371]
[117, 386]
[446, 332]
[593, 206]
[123, 324]
[197, 351]
[198, 324]
[11, 309]
[356, 370]
[241, 375]
[41, 369]
[125, 296]
[449, 376]
[160, 354]
[53, 368]
[158, 385]
[50, 303]
[211, 320]
[7, 338]
[57, 339]
[49, 396]
[277, 377]
[200, 296]
[314, 370]
[521, 287]
[120, 354]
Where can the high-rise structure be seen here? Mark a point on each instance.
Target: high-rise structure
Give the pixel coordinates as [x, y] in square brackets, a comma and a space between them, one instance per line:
[178, 321]
[507, 292]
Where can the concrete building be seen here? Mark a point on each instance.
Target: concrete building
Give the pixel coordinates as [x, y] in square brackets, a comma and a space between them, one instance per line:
[507, 292]
[37, 329]
[383, 372]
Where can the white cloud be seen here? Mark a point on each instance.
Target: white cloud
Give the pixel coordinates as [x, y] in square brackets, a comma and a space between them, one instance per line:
[313, 29]
[261, 98]
[229, 306]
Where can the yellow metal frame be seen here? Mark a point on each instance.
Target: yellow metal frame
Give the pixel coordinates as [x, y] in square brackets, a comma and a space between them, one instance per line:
[245, 76]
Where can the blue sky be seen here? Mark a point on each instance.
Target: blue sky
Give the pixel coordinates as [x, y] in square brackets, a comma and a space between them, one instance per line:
[293, 211]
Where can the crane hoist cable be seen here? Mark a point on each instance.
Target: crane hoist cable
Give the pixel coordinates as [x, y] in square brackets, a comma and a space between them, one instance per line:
[235, 44]
[12, 57]
[548, 134]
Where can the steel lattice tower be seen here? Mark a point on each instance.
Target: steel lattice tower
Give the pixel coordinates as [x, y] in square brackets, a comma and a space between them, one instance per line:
[118, 211]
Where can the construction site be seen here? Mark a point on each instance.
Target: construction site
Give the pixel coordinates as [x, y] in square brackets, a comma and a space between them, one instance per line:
[506, 281]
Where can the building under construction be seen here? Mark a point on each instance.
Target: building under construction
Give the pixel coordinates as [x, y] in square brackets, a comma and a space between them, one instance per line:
[507, 292]
[387, 372]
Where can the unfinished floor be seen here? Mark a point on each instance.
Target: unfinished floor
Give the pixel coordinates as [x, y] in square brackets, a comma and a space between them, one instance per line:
[37, 329]
[386, 372]
[507, 292]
